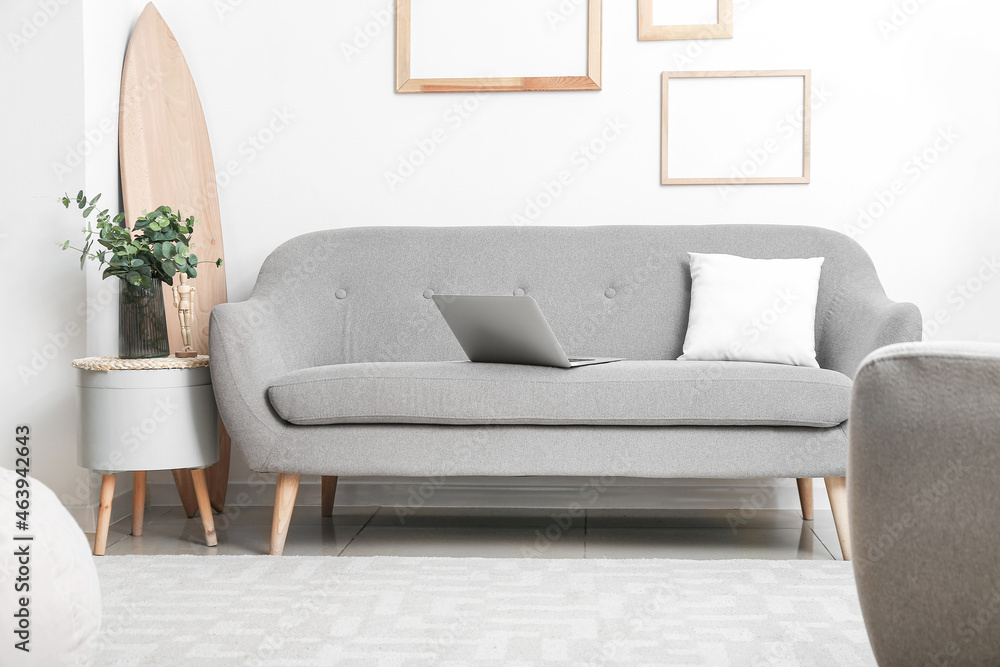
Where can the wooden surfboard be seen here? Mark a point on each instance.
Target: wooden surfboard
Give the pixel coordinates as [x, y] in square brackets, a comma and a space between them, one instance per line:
[166, 159]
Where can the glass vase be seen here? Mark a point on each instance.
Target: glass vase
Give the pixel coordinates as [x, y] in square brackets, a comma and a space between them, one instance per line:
[142, 322]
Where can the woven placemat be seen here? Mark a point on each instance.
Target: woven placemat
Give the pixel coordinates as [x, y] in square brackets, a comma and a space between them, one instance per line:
[119, 364]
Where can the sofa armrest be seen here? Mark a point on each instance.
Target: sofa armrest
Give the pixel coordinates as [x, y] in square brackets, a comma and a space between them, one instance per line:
[248, 351]
[858, 327]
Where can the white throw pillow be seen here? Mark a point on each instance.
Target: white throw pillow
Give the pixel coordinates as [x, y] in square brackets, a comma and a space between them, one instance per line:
[752, 310]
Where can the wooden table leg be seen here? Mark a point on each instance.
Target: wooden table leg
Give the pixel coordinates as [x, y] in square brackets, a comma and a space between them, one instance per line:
[185, 489]
[806, 497]
[104, 513]
[204, 506]
[328, 490]
[218, 473]
[138, 500]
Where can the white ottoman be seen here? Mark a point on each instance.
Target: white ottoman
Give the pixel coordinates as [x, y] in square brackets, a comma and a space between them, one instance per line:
[58, 577]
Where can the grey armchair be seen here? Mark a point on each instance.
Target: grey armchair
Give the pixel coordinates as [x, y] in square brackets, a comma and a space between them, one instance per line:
[924, 497]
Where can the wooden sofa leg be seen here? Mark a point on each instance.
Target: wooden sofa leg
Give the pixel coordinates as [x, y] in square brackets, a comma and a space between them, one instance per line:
[284, 503]
[806, 497]
[329, 490]
[836, 487]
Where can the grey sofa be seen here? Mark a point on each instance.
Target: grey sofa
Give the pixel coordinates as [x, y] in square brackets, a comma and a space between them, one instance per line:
[924, 466]
[340, 364]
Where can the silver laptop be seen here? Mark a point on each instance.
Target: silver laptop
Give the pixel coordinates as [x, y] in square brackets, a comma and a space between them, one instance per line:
[506, 330]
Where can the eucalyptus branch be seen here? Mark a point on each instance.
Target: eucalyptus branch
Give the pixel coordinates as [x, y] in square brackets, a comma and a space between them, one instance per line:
[159, 249]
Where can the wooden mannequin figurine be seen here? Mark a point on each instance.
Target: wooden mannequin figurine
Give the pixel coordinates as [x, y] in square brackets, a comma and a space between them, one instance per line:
[184, 303]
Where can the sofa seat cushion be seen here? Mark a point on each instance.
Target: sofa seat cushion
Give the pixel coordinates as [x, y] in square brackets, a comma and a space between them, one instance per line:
[636, 393]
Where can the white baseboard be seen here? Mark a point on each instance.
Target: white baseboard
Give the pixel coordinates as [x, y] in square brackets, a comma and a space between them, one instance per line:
[86, 515]
[596, 493]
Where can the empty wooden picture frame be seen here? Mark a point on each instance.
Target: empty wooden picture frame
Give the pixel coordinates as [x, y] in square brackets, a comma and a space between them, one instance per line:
[733, 128]
[589, 78]
[651, 27]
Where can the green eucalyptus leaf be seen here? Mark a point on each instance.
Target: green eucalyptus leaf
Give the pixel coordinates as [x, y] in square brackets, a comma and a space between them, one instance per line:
[192, 272]
[182, 249]
[218, 262]
[169, 268]
[95, 199]
[168, 250]
[180, 261]
[120, 217]
[88, 211]
[79, 197]
[192, 260]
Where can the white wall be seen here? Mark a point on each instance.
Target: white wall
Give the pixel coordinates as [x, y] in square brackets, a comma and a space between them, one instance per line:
[881, 101]
[303, 136]
[44, 293]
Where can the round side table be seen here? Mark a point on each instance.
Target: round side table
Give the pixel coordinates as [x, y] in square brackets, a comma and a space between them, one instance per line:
[146, 414]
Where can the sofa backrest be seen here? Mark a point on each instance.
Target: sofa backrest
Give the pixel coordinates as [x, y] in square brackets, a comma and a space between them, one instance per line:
[363, 294]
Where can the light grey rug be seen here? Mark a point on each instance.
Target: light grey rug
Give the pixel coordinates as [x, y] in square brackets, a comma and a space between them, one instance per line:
[253, 610]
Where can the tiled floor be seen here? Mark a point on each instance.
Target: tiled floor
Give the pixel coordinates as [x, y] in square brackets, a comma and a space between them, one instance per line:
[493, 533]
